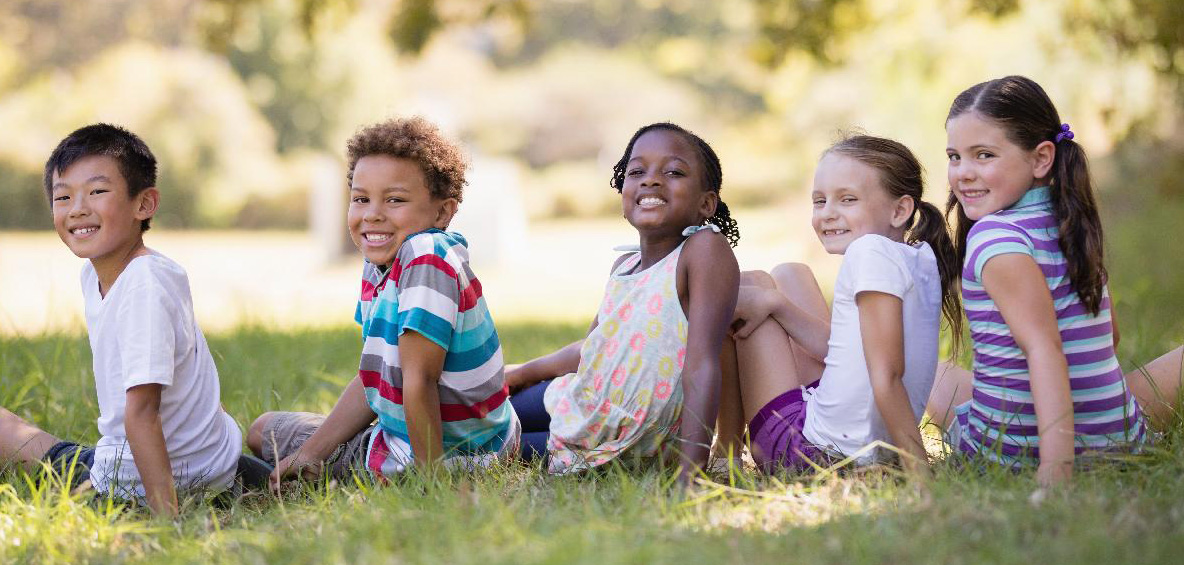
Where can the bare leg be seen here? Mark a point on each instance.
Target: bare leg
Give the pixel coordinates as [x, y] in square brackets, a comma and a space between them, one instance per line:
[951, 387]
[255, 433]
[796, 282]
[731, 422]
[767, 367]
[22, 442]
[1156, 386]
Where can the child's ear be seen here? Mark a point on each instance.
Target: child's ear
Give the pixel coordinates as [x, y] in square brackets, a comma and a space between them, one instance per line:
[902, 210]
[146, 203]
[1043, 157]
[709, 203]
[445, 212]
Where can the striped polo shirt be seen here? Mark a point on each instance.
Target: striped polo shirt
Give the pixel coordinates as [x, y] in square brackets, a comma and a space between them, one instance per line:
[1000, 420]
[431, 290]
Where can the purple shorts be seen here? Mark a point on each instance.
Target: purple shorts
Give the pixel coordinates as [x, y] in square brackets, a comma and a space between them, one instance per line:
[775, 434]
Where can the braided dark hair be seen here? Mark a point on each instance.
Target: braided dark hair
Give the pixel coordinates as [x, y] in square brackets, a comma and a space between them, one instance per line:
[713, 176]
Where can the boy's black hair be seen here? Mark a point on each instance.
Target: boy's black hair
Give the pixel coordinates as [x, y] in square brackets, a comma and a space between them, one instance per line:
[713, 175]
[136, 162]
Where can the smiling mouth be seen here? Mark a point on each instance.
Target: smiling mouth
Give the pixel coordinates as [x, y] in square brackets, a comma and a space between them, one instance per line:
[974, 193]
[650, 201]
[832, 233]
[84, 231]
[376, 237]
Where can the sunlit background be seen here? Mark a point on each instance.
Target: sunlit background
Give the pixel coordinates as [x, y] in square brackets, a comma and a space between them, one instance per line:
[248, 103]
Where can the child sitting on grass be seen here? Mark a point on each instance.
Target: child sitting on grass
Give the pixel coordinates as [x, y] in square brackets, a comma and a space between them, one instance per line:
[812, 384]
[160, 421]
[644, 383]
[431, 366]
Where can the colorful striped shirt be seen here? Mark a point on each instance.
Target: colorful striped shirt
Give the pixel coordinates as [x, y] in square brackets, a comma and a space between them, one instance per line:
[1000, 420]
[431, 290]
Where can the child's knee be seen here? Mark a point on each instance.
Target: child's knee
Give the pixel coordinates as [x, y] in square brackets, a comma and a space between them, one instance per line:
[255, 432]
[757, 278]
[792, 273]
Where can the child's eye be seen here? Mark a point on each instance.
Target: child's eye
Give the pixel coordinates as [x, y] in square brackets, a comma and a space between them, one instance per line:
[847, 199]
[99, 191]
[633, 172]
[819, 202]
[952, 156]
[984, 155]
[394, 200]
[61, 198]
[675, 173]
[359, 200]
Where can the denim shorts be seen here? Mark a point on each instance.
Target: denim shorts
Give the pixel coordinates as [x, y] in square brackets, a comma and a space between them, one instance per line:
[71, 461]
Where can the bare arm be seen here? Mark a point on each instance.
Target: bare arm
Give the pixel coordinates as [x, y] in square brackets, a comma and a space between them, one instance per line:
[555, 364]
[755, 303]
[1016, 284]
[712, 281]
[422, 362]
[561, 362]
[145, 436]
[349, 416]
[881, 323]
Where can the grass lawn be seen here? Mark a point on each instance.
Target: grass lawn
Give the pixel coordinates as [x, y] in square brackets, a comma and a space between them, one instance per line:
[1126, 511]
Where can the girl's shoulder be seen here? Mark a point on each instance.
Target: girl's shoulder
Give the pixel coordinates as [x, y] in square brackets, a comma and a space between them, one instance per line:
[1001, 226]
[705, 239]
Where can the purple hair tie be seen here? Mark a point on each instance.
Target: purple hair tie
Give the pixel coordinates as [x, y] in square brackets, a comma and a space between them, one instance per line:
[1064, 133]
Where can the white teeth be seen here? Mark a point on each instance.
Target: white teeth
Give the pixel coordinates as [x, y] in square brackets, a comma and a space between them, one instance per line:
[651, 201]
[973, 193]
[84, 231]
[377, 237]
[834, 232]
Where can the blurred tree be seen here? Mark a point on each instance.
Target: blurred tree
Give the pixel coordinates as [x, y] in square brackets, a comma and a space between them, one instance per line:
[64, 33]
[1136, 26]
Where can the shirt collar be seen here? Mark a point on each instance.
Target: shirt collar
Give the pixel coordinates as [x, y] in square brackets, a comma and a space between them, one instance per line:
[1036, 197]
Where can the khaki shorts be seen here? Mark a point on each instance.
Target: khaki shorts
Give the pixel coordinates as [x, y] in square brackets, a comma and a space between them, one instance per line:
[287, 431]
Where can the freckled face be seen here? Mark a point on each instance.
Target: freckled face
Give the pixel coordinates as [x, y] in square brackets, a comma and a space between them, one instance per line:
[849, 202]
[390, 200]
[987, 172]
[664, 189]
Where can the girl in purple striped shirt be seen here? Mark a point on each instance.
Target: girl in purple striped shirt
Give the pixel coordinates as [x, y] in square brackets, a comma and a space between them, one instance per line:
[1046, 385]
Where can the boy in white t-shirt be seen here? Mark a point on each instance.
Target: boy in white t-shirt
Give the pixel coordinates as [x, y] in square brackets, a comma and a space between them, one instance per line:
[161, 423]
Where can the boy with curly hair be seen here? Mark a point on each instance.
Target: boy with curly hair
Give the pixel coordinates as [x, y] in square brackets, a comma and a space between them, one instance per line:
[431, 368]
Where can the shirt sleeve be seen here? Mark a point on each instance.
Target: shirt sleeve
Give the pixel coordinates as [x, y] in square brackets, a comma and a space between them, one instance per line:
[429, 290]
[876, 267]
[147, 322]
[990, 238]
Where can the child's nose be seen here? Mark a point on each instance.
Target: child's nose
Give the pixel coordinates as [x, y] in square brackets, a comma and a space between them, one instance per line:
[373, 213]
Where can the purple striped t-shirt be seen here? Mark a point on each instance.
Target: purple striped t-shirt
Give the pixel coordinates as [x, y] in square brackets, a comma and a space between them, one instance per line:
[1000, 420]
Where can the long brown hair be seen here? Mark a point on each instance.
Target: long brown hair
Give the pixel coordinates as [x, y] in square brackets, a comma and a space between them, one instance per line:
[901, 175]
[1019, 106]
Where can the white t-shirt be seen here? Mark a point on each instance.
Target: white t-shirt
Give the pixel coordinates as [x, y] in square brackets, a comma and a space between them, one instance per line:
[841, 413]
[144, 332]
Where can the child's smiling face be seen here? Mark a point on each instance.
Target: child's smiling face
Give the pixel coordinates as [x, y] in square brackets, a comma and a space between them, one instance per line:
[987, 171]
[390, 200]
[849, 202]
[663, 190]
[92, 212]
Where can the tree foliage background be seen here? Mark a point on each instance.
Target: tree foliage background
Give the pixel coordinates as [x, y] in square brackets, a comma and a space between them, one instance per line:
[240, 97]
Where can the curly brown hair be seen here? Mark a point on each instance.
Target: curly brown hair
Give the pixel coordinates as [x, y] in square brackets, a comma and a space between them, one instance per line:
[417, 139]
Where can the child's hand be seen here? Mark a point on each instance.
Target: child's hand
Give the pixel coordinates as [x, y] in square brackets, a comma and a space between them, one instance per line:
[294, 464]
[515, 380]
[753, 306]
[1051, 474]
